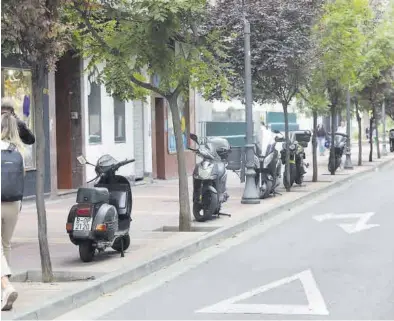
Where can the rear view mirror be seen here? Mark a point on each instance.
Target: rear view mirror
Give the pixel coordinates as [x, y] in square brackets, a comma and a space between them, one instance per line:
[276, 131]
[194, 137]
[82, 160]
[279, 139]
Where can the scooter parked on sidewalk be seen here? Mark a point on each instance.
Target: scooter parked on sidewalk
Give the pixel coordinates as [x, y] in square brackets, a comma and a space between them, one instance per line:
[340, 142]
[270, 168]
[210, 177]
[101, 216]
[391, 139]
[298, 141]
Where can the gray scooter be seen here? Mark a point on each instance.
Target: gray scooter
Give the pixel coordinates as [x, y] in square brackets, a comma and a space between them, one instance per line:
[210, 177]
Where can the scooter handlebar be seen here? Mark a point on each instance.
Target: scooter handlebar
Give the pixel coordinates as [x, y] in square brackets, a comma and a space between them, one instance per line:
[125, 162]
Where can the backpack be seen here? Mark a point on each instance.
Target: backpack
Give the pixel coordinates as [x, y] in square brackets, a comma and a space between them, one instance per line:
[12, 175]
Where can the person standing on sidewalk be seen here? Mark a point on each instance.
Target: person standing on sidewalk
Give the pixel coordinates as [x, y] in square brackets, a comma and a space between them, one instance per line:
[12, 181]
[25, 134]
[321, 138]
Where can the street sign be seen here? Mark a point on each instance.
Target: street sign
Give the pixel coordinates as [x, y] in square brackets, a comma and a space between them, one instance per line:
[358, 226]
[315, 306]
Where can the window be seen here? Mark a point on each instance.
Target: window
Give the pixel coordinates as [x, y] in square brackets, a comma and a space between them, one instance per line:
[16, 84]
[120, 121]
[94, 110]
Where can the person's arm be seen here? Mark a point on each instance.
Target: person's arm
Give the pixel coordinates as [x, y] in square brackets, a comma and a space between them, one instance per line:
[25, 133]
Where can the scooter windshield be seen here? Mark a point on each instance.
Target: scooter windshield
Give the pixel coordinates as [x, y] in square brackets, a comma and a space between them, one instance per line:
[208, 151]
[106, 161]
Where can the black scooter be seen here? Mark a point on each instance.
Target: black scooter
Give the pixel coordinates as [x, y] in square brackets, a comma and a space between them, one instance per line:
[298, 141]
[340, 142]
[210, 177]
[101, 218]
[391, 139]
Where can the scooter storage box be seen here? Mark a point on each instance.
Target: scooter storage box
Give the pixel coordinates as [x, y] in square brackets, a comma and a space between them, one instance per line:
[221, 146]
[92, 195]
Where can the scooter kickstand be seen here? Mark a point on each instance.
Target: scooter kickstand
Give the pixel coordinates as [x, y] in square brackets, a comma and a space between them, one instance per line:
[225, 214]
[121, 247]
[277, 193]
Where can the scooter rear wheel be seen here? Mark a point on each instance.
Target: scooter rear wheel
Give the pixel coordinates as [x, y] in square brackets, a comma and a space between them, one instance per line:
[86, 251]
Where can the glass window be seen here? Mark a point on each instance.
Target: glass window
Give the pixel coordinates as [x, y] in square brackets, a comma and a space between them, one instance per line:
[120, 121]
[16, 84]
[94, 110]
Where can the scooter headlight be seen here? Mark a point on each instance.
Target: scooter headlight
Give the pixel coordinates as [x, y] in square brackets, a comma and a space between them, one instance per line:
[204, 173]
[268, 160]
[292, 147]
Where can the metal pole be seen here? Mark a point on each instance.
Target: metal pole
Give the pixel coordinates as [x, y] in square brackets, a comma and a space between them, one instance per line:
[251, 194]
[348, 162]
[384, 150]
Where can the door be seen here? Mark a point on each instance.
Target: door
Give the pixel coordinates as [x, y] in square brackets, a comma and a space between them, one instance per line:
[138, 127]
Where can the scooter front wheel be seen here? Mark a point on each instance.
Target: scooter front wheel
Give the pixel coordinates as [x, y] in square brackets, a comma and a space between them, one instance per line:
[86, 251]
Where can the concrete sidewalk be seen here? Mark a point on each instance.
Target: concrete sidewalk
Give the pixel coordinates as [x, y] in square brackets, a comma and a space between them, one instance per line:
[155, 206]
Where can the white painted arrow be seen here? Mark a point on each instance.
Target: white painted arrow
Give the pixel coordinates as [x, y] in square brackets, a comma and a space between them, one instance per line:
[315, 306]
[360, 225]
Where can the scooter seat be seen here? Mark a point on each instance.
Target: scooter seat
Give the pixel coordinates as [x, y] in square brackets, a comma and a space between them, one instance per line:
[92, 195]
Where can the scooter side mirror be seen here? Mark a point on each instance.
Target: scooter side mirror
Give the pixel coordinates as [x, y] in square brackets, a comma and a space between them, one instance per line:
[276, 131]
[193, 137]
[279, 139]
[82, 160]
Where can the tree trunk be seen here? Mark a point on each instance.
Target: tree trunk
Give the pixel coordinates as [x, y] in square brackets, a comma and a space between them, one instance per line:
[314, 146]
[287, 158]
[360, 144]
[38, 86]
[333, 130]
[370, 139]
[377, 131]
[184, 205]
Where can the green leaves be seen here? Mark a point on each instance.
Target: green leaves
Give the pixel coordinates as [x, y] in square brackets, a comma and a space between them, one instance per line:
[168, 39]
[340, 38]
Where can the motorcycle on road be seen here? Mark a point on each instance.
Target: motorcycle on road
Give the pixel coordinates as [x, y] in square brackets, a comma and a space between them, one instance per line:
[101, 216]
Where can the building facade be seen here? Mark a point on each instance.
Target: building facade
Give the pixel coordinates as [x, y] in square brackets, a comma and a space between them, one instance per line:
[16, 83]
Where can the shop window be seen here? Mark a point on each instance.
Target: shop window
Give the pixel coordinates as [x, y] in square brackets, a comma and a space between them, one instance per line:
[94, 111]
[120, 120]
[17, 85]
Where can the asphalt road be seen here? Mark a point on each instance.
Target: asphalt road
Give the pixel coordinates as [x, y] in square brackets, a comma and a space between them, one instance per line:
[302, 264]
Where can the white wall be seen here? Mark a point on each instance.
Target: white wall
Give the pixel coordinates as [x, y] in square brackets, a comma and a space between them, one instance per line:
[119, 151]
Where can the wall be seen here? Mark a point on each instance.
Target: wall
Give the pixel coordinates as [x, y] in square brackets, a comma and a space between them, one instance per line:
[119, 151]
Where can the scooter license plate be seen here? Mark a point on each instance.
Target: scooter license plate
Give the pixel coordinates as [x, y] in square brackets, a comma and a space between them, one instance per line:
[82, 224]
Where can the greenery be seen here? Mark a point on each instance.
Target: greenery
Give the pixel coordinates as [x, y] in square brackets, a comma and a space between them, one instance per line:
[136, 40]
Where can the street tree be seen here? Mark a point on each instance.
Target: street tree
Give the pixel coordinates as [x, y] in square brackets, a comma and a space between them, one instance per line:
[280, 49]
[313, 99]
[138, 40]
[374, 77]
[340, 37]
[33, 31]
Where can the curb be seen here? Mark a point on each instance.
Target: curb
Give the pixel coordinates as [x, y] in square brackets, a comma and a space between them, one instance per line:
[86, 293]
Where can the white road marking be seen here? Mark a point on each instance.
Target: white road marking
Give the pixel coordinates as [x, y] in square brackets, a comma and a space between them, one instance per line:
[358, 226]
[316, 304]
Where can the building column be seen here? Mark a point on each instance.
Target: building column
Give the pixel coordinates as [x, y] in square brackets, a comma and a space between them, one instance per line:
[147, 129]
[52, 132]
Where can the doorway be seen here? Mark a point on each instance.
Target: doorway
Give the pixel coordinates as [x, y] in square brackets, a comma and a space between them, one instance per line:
[68, 122]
